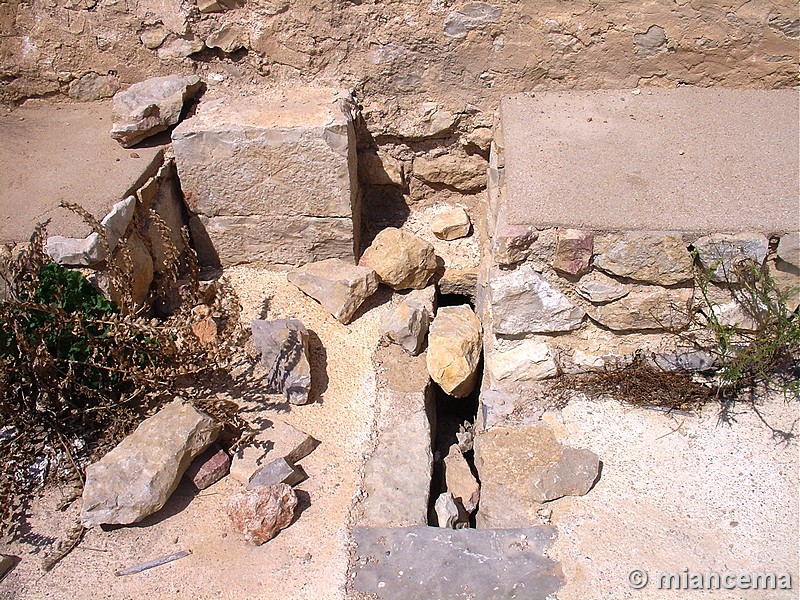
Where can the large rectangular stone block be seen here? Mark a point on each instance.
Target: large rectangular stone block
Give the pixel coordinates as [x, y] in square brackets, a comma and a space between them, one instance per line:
[271, 179]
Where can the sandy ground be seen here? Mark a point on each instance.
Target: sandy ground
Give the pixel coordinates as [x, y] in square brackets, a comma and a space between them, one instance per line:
[679, 492]
[306, 561]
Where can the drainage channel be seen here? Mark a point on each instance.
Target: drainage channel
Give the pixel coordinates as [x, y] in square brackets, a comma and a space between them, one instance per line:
[453, 425]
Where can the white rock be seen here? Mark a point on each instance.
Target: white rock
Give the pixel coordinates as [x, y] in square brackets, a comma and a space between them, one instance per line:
[598, 288]
[524, 360]
[451, 224]
[446, 511]
[723, 254]
[523, 302]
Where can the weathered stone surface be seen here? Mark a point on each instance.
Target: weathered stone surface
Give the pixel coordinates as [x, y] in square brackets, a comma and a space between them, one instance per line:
[733, 314]
[722, 254]
[209, 467]
[271, 178]
[599, 288]
[228, 38]
[521, 467]
[573, 251]
[340, 287]
[473, 15]
[259, 514]
[408, 563]
[494, 406]
[276, 471]
[401, 259]
[378, 168]
[587, 362]
[454, 349]
[684, 360]
[646, 308]
[89, 251]
[284, 351]
[459, 281]
[153, 37]
[463, 173]
[150, 107]
[523, 302]
[93, 86]
[279, 440]
[180, 47]
[446, 510]
[407, 325]
[652, 257]
[209, 6]
[573, 474]
[789, 248]
[137, 477]
[511, 244]
[397, 474]
[522, 360]
[460, 481]
[451, 224]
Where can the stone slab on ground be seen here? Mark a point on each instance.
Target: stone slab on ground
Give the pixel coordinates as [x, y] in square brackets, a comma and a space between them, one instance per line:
[63, 152]
[271, 179]
[419, 563]
[397, 474]
[687, 159]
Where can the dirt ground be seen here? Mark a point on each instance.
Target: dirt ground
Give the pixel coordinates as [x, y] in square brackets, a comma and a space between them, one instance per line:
[307, 560]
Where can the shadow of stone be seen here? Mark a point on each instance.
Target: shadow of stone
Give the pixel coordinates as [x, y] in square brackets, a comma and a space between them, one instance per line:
[318, 357]
[177, 502]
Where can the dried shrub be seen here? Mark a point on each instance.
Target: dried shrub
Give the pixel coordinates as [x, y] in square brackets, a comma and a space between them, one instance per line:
[78, 373]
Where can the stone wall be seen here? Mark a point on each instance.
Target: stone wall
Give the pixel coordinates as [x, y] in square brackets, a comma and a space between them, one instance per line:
[428, 74]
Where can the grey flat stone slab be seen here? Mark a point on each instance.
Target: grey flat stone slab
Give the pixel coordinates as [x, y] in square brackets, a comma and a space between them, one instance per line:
[686, 159]
[420, 563]
[55, 152]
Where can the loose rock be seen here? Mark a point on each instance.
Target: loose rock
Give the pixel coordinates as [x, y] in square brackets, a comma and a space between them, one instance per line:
[229, 39]
[340, 287]
[93, 86]
[521, 467]
[401, 260]
[446, 510]
[137, 477]
[150, 107]
[277, 471]
[459, 281]
[278, 440]
[205, 330]
[460, 481]
[259, 514]
[651, 257]
[454, 349]
[573, 251]
[523, 302]
[407, 325]
[723, 254]
[209, 467]
[284, 351]
[451, 224]
[599, 288]
[463, 173]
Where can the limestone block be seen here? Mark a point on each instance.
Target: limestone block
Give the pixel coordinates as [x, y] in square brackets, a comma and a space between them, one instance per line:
[522, 360]
[454, 349]
[651, 257]
[599, 288]
[137, 477]
[722, 254]
[463, 173]
[401, 259]
[646, 308]
[279, 440]
[151, 106]
[339, 286]
[271, 179]
[451, 224]
[523, 302]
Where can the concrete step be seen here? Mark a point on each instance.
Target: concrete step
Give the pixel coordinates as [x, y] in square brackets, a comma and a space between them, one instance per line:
[55, 152]
[686, 159]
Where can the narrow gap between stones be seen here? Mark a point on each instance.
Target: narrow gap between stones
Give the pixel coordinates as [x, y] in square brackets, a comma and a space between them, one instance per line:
[453, 424]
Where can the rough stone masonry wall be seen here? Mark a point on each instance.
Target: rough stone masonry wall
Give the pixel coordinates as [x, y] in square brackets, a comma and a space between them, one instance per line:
[428, 74]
